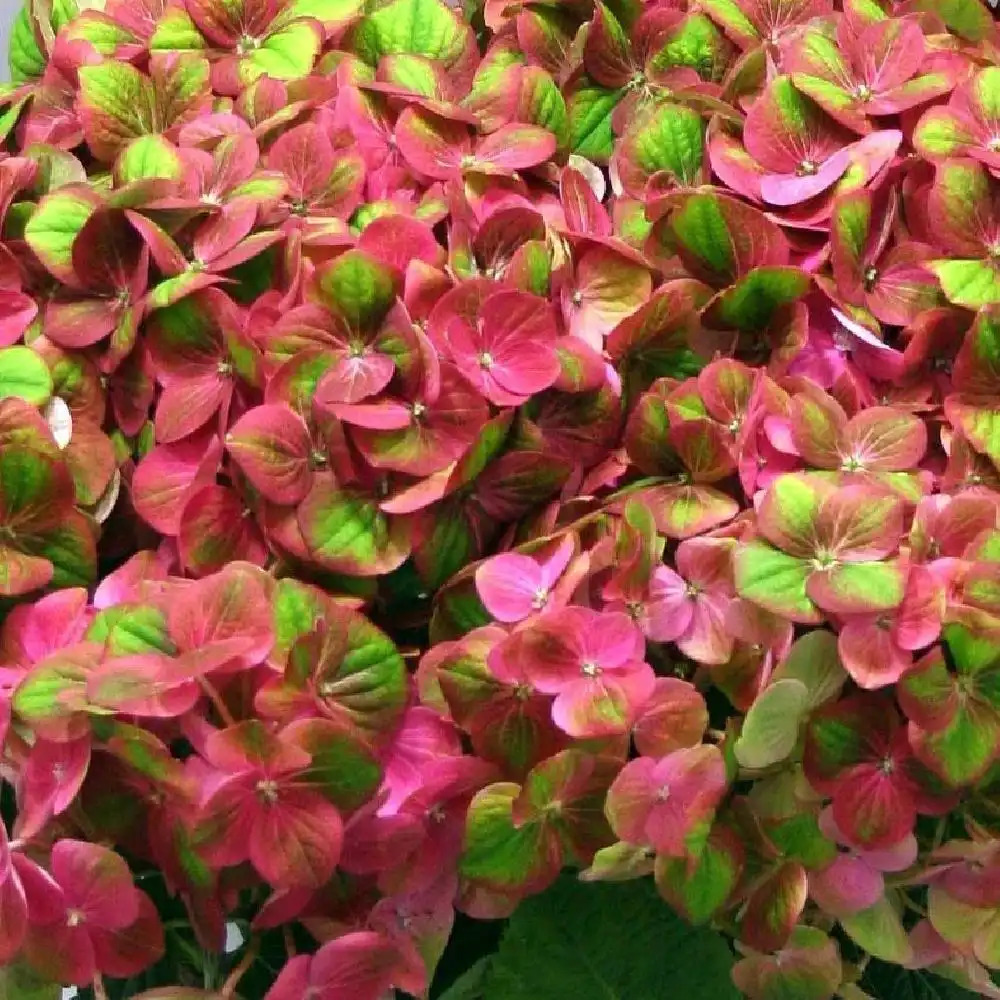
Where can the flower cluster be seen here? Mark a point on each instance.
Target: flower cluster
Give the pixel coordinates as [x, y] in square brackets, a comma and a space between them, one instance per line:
[441, 448]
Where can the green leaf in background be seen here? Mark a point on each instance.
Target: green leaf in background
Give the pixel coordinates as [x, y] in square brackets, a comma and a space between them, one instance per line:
[605, 941]
[896, 983]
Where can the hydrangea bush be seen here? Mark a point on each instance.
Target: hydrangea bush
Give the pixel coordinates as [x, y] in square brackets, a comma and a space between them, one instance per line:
[451, 458]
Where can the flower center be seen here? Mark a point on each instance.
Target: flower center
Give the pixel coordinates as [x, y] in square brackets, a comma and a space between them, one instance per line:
[419, 411]
[247, 44]
[590, 669]
[74, 918]
[486, 360]
[824, 560]
[267, 791]
[869, 278]
[863, 92]
[662, 793]
[807, 168]
[887, 765]
[577, 297]
[468, 161]
[994, 144]
[224, 368]
[540, 599]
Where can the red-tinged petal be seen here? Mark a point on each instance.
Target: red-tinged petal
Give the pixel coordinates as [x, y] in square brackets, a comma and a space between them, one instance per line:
[675, 717]
[511, 587]
[431, 145]
[919, 618]
[13, 915]
[515, 147]
[55, 621]
[817, 423]
[630, 799]
[216, 529]
[789, 514]
[399, 240]
[788, 134]
[97, 882]
[141, 685]
[61, 954]
[304, 155]
[220, 233]
[185, 407]
[165, 476]
[885, 440]
[849, 885]
[872, 807]
[584, 212]
[388, 415]
[859, 523]
[604, 705]
[296, 840]
[230, 605]
[272, 447]
[851, 588]
[606, 289]
[293, 980]
[128, 951]
[80, 323]
[50, 782]
[774, 907]
[17, 313]
[962, 208]
[354, 378]
[362, 965]
[928, 694]
[870, 654]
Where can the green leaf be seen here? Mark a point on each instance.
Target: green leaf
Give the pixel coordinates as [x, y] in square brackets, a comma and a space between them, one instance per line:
[751, 303]
[771, 727]
[968, 18]
[25, 375]
[775, 581]
[883, 979]
[418, 27]
[25, 56]
[472, 983]
[20, 982]
[148, 156]
[879, 931]
[287, 54]
[361, 289]
[495, 851]
[54, 226]
[969, 283]
[590, 108]
[128, 630]
[606, 941]
[670, 139]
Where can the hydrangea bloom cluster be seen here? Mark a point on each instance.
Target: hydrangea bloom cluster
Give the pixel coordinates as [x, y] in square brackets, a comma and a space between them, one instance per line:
[441, 448]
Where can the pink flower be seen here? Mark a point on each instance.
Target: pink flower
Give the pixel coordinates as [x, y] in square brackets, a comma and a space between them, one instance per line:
[592, 662]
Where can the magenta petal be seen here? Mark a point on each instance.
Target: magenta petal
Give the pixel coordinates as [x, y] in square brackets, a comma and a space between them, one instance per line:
[793, 189]
[668, 608]
[97, 882]
[611, 639]
[511, 586]
[870, 653]
[847, 886]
